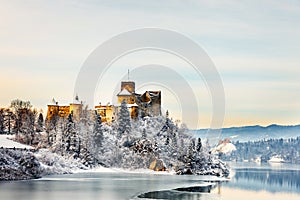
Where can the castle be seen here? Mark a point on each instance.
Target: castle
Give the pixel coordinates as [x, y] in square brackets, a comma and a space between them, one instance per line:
[55, 109]
[139, 105]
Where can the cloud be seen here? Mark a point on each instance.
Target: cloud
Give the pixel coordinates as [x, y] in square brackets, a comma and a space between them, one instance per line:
[255, 46]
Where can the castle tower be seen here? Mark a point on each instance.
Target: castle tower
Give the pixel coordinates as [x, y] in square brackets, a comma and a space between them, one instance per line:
[127, 92]
[56, 110]
[128, 85]
[53, 109]
[76, 108]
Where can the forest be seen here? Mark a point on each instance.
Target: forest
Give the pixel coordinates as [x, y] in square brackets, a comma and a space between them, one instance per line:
[287, 149]
[155, 143]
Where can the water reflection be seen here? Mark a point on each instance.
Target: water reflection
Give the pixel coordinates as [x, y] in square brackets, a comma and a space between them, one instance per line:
[252, 182]
[266, 179]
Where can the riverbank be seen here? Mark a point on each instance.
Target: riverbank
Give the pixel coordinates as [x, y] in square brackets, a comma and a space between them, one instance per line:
[22, 164]
[19, 165]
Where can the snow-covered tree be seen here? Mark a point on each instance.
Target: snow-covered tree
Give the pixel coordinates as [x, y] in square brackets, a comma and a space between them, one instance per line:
[2, 124]
[70, 139]
[174, 146]
[40, 123]
[199, 145]
[24, 118]
[84, 128]
[75, 144]
[97, 137]
[55, 136]
[144, 134]
[27, 127]
[20, 109]
[167, 142]
[190, 159]
[124, 125]
[8, 120]
[156, 149]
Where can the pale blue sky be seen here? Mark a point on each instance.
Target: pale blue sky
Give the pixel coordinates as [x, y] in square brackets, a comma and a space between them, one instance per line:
[255, 46]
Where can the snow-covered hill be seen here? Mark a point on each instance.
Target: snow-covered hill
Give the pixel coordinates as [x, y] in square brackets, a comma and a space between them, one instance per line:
[7, 142]
[254, 133]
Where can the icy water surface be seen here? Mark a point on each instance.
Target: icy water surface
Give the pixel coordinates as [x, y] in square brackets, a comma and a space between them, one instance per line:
[250, 182]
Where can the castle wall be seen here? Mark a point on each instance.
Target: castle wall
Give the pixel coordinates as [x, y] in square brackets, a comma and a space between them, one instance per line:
[129, 99]
[76, 109]
[56, 110]
[107, 113]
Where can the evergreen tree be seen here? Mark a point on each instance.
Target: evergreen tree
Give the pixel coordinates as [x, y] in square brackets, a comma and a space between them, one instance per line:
[124, 125]
[85, 127]
[53, 126]
[167, 114]
[144, 134]
[40, 123]
[25, 125]
[8, 122]
[156, 149]
[2, 126]
[55, 137]
[181, 150]
[70, 139]
[98, 135]
[75, 144]
[199, 145]
[167, 120]
[174, 145]
[174, 140]
[190, 162]
[28, 127]
[167, 139]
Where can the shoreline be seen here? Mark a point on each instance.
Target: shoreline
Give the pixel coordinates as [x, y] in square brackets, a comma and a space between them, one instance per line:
[23, 164]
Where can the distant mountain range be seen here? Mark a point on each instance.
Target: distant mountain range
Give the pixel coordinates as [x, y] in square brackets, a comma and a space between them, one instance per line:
[253, 133]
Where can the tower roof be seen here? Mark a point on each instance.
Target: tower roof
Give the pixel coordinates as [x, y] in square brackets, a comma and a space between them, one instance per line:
[76, 100]
[128, 85]
[53, 102]
[124, 92]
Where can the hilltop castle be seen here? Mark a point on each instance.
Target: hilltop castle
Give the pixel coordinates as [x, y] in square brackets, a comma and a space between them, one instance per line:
[139, 105]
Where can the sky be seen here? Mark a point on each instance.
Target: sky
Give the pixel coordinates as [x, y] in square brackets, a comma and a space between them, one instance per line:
[254, 45]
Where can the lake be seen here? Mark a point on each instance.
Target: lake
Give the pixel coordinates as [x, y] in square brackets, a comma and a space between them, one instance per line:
[249, 181]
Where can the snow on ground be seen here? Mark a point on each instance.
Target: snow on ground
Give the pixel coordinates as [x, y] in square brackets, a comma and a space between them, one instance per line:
[53, 163]
[101, 169]
[145, 171]
[7, 142]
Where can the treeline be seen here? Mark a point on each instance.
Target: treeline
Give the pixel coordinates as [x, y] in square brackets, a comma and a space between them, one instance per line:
[22, 120]
[288, 149]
